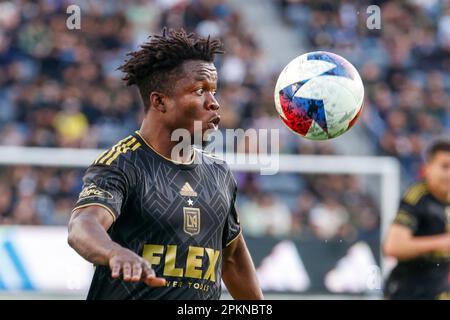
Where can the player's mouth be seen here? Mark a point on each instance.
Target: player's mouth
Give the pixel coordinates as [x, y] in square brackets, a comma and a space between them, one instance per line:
[213, 123]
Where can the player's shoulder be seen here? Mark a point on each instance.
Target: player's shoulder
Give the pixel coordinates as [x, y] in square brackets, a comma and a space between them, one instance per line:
[120, 154]
[208, 158]
[416, 193]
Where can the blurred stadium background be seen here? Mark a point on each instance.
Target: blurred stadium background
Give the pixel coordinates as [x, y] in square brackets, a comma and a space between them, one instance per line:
[312, 234]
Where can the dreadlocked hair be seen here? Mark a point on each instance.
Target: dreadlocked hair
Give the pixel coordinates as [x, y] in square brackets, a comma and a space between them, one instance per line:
[157, 61]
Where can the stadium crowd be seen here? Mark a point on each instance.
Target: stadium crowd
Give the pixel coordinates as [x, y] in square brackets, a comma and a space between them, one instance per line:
[60, 88]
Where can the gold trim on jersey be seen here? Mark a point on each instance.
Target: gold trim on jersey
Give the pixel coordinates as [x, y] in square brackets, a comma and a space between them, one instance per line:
[96, 204]
[235, 238]
[121, 147]
[415, 193]
[108, 153]
[162, 156]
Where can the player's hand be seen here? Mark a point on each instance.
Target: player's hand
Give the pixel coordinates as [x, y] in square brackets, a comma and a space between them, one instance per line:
[133, 268]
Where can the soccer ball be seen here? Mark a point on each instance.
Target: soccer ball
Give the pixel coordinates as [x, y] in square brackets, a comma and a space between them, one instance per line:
[319, 95]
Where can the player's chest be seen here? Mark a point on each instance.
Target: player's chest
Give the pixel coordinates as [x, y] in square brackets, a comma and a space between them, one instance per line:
[187, 202]
[437, 218]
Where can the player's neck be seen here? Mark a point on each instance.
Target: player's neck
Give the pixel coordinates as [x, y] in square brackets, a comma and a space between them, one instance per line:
[441, 196]
[159, 139]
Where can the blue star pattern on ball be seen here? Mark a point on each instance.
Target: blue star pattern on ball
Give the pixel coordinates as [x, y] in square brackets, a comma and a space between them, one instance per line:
[300, 112]
[290, 91]
[339, 70]
[314, 109]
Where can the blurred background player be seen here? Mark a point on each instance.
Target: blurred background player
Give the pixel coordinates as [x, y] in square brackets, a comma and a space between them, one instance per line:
[420, 234]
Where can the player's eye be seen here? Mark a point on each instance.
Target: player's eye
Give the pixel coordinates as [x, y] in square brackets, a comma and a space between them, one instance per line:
[200, 92]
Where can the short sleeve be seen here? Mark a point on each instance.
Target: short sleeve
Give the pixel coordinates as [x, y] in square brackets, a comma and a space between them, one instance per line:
[232, 227]
[105, 186]
[407, 216]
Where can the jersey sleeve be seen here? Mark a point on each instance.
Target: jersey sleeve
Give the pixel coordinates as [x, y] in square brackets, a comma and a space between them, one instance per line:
[232, 225]
[105, 186]
[407, 215]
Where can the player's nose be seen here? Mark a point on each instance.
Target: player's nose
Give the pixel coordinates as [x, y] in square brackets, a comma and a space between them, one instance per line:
[211, 103]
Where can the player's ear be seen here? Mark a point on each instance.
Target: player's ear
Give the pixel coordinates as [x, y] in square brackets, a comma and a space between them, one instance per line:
[157, 101]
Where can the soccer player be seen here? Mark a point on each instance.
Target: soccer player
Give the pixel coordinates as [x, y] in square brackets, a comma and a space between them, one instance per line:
[420, 234]
[155, 226]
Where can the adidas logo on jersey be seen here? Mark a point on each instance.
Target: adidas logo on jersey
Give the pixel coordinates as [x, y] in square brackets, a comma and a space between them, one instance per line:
[187, 190]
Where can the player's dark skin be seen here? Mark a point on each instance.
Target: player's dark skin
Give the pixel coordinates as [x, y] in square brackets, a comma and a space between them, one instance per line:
[191, 99]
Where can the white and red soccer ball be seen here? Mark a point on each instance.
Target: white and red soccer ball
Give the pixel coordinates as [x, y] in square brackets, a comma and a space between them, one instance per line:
[319, 95]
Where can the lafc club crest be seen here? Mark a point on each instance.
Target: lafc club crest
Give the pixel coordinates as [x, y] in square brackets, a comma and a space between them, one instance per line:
[191, 220]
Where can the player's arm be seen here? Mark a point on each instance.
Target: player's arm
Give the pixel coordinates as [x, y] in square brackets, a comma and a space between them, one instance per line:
[402, 244]
[238, 271]
[88, 236]
[99, 204]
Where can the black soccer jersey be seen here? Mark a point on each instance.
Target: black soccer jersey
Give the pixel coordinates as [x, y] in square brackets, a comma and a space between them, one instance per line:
[424, 277]
[179, 217]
